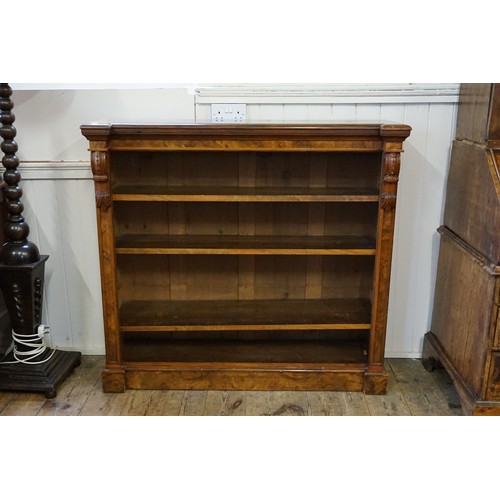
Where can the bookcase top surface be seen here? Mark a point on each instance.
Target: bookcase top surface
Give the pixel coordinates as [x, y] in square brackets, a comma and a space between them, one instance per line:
[103, 131]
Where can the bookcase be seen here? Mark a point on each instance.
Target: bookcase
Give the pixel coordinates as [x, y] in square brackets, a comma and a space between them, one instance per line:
[245, 257]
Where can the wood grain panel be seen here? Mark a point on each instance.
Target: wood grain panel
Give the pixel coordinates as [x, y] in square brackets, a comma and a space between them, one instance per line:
[160, 193]
[204, 315]
[196, 378]
[493, 391]
[239, 352]
[241, 245]
[472, 118]
[472, 206]
[494, 123]
[463, 331]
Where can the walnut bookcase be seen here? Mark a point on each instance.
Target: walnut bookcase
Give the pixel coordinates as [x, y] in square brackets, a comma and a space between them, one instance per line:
[252, 257]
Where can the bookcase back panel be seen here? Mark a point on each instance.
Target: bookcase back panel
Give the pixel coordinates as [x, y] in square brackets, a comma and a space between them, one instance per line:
[226, 169]
[280, 219]
[353, 219]
[230, 277]
[248, 347]
[330, 335]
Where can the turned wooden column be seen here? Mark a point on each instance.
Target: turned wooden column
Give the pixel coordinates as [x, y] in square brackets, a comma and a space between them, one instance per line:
[17, 250]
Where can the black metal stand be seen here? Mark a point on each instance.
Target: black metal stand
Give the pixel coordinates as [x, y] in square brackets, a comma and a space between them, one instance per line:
[21, 281]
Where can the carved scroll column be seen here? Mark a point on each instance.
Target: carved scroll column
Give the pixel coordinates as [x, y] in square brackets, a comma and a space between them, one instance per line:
[30, 366]
[113, 376]
[391, 162]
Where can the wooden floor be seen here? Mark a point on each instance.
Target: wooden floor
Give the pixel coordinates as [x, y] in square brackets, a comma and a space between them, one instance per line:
[411, 391]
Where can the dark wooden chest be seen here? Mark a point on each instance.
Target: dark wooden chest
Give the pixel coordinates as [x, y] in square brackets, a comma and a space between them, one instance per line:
[465, 331]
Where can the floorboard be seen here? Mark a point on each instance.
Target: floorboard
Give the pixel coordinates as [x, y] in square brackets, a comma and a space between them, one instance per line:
[226, 403]
[411, 391]
[420, 391]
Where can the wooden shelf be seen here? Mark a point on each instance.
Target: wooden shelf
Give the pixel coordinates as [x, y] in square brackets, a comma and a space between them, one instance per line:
[245, 315]
[244, 245]
[239, 194]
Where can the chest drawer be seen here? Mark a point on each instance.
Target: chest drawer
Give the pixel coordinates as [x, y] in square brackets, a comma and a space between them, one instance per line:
[493, 391]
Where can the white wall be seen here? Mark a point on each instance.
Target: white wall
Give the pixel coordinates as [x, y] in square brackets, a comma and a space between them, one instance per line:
[60, 207]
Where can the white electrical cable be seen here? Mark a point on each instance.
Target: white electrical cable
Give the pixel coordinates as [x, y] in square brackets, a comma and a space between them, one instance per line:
[35, 341]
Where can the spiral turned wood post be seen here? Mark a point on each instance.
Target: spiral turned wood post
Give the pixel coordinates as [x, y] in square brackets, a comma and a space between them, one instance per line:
[17, 250]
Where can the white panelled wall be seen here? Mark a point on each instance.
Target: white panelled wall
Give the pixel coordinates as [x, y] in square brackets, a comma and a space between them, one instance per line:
[59, 200]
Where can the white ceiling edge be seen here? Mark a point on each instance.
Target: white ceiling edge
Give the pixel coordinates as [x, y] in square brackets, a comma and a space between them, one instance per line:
[241, 86]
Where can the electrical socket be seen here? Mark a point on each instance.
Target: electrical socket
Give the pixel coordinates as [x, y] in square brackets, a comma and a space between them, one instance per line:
[229, 113]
